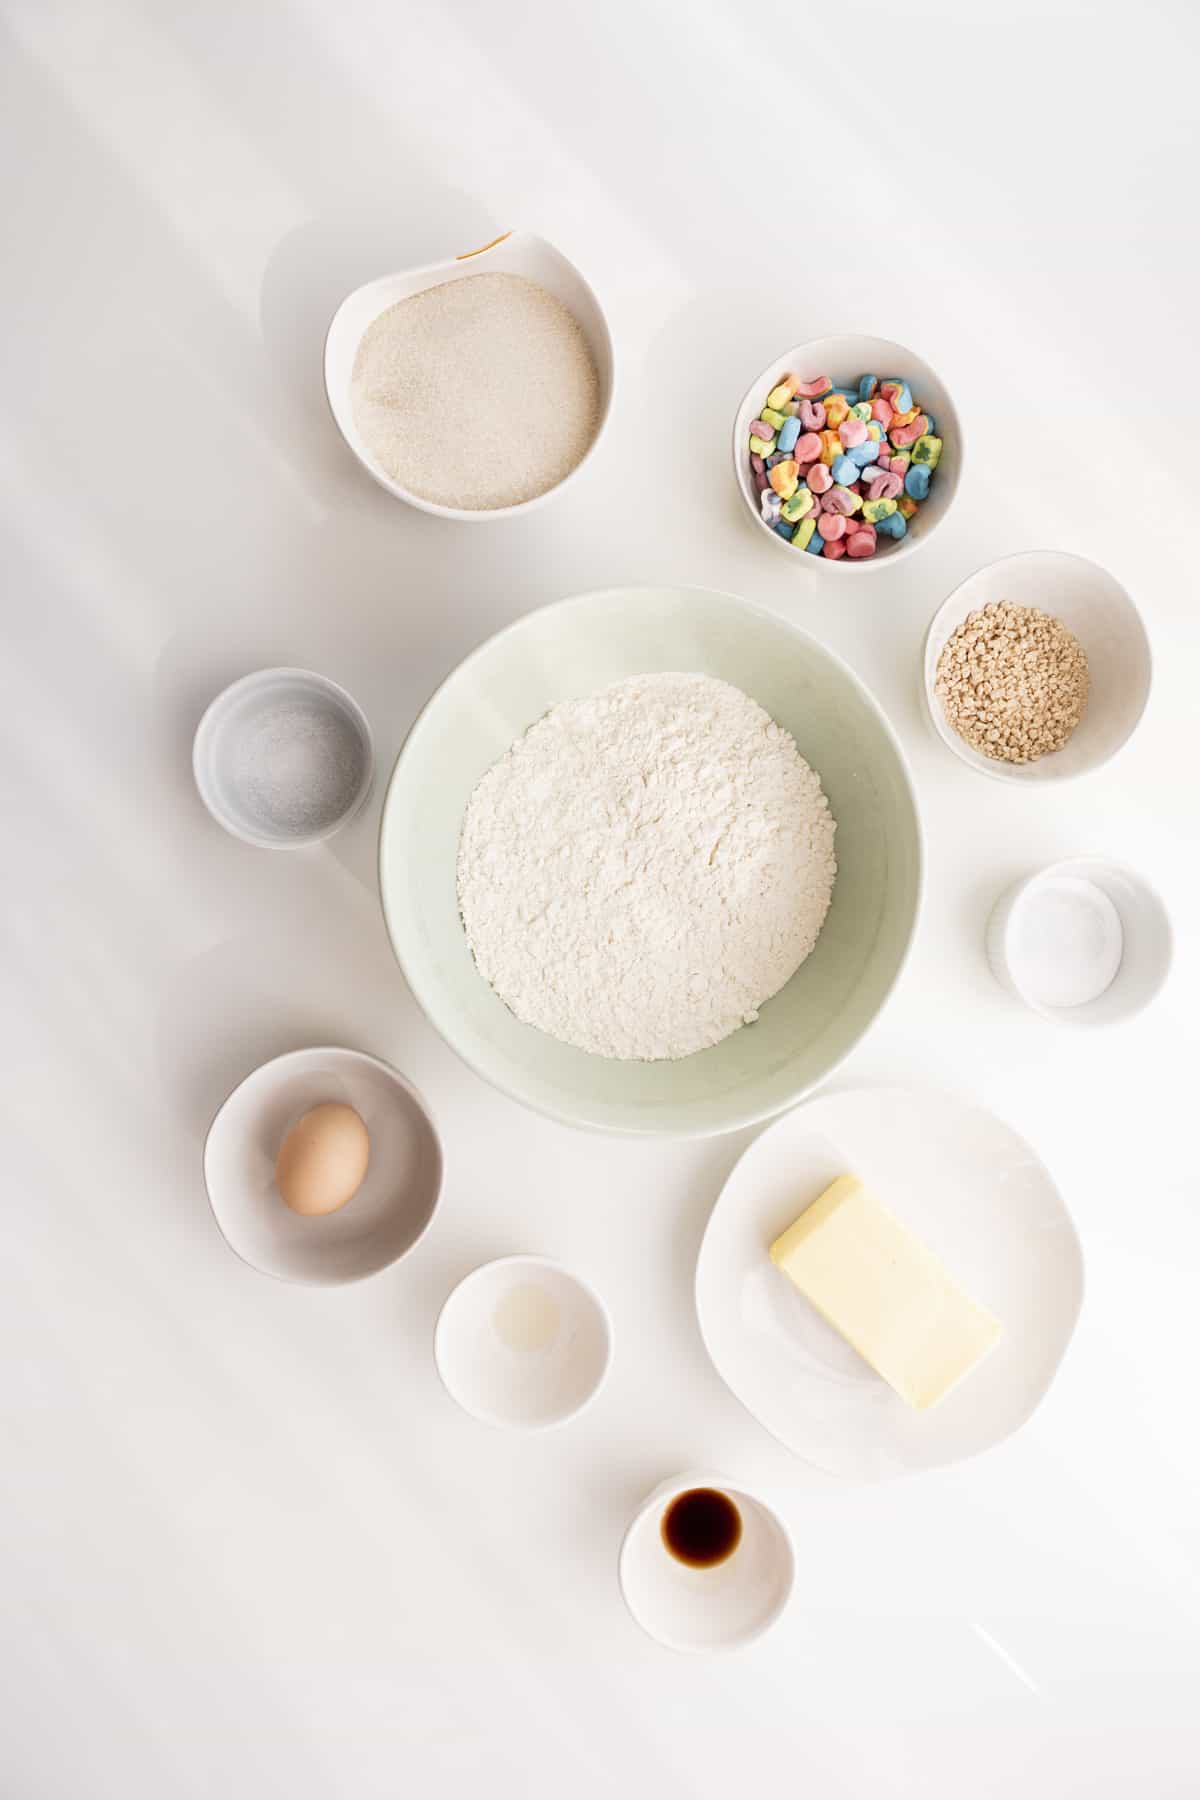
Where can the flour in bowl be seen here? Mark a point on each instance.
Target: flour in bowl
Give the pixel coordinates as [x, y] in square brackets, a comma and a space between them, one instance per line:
[645, 868]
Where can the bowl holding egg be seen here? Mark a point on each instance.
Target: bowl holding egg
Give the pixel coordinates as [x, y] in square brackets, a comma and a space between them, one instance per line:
[323, 1166]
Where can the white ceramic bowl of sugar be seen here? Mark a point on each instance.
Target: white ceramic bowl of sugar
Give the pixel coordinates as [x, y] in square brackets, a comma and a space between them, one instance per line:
[283, 758]
[519, 253]
[845, 358]
[1098, 611]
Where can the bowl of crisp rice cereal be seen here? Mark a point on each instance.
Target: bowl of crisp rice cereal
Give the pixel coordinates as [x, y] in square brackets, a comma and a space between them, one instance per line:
[1037, 668]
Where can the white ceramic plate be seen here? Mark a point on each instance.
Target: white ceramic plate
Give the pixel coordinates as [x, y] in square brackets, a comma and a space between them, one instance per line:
[974, 1192]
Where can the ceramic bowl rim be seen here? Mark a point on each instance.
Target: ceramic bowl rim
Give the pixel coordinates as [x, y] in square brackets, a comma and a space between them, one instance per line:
[756, 1115]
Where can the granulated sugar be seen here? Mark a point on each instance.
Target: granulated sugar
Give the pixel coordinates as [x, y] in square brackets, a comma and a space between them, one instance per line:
[478, 394]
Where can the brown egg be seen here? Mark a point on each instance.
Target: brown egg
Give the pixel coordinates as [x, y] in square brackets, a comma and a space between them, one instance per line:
[322, 1160]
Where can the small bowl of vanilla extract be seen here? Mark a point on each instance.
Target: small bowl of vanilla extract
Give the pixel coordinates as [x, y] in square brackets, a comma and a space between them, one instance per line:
[706, 1565]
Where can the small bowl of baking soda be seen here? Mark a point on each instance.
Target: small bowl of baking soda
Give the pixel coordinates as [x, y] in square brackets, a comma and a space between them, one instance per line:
[473, 388]
[1083, 942]
[283, 758]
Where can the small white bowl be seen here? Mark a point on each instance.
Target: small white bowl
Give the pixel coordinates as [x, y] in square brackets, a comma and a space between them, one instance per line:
[259, 747]
[386, 1217]
[515, 253]
[720, 1608]
[845, 358]
[522, 1342]
[1143, 943]
[1094, 606]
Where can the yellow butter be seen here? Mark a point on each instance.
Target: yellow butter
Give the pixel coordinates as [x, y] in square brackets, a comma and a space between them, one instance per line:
[886, 1293]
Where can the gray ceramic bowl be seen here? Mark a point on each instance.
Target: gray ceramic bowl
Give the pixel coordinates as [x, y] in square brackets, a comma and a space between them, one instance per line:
[283, 758]
[567, 651]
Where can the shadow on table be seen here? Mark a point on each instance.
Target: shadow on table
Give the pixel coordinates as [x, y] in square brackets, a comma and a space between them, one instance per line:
[311, 271]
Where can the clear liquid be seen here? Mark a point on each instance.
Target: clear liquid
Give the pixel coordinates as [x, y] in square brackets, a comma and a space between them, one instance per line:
[527, 1317]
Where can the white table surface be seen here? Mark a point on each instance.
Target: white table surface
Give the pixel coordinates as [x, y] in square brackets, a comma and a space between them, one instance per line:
[252, 1548]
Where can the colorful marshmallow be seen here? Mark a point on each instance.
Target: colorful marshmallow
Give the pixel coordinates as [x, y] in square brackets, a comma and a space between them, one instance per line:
[785, 477]
[789, 431]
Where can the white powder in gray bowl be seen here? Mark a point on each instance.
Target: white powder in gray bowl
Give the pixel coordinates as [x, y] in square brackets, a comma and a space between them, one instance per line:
[480, 393]
[295, 767]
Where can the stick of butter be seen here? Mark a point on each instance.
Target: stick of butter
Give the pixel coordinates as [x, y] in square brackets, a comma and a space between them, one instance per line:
[885, 1292]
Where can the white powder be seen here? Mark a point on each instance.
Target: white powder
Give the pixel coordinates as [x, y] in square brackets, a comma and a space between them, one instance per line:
[1067, 942]
[477, 394]
[295, 767]
[643, 869]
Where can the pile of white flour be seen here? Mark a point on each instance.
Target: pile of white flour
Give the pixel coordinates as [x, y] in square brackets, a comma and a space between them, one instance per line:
[643, 869]
[479, 393]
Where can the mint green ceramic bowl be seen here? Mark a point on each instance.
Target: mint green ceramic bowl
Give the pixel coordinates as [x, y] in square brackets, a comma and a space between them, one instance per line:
[564, 652]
